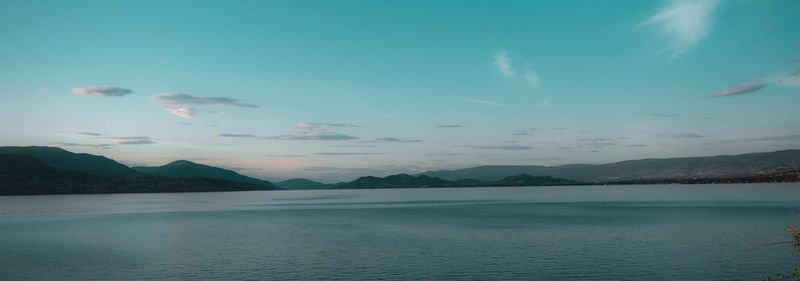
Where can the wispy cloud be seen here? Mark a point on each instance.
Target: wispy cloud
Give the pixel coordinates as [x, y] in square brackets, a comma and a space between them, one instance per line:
[72, 144]
[487, 103]
[226, 135]
[502, 62]
[447, 154]
[684, 22]
[318, 125]
[500, 147]
[186, 99]
[776, 138]
[391, 139]
[532, 78]
[284, 155]
[130, 140]
[185, 112]
[666, 115]
[326, 136]
[347, 153]
[450, 126]
[89, 134]
[597, 143]
[687, 136]
[102, 91]
[747, 88]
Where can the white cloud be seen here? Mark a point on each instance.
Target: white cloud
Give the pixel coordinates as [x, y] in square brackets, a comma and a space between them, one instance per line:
[684, 22]
[532, 78]
[185, 112]
[130, 140]
[102, 91]
[489, 103]
[503, 64]
[183, 99]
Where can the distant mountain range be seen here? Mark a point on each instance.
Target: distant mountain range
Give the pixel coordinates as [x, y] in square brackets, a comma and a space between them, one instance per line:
[50, 170]
[299, 183]
[646, 169]
[423, 181]
[188, 169]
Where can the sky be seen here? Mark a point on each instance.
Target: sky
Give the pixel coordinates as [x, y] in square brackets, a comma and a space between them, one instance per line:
[333, 90]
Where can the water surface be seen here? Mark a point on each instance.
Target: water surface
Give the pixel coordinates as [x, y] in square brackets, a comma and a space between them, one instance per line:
[674, 232]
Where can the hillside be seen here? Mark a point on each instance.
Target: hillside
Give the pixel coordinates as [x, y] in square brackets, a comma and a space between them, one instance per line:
[669, 168]
[188, 169]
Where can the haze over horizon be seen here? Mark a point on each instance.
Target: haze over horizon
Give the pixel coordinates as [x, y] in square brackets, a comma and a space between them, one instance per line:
[335, 90]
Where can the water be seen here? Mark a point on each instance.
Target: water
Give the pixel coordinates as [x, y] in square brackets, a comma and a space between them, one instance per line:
[713, 232]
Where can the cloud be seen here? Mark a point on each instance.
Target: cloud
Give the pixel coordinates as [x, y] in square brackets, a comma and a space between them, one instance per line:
[794, 72]
[687, 136]
[284, 155]
[319, 125]
[130, 140]
[503, 64]
[532, 78]
[636, 145]
[347, 153]
[525, 132]
[185, 112]
[499, 147]
[391, 139]
[488, 103]
[339, 125]
[225, 135]
[789, 138]
[746, 88]
[597, 143]
[666, 115]
[72, 144]
[184, 99]
[450, 126]
[89, 134]
[684, 22]
[102, 91]
[327, 136]
[354, 145]
[447, 154]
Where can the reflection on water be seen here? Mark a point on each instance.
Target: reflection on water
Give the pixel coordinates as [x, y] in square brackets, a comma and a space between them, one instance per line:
[716, 232]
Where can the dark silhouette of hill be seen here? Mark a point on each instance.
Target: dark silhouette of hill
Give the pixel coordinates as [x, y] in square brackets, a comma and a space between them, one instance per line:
[300, 183]
[409, 181]
[528, 180]
[47, 170]
[67, 161]
[188, 169]
[669, 168]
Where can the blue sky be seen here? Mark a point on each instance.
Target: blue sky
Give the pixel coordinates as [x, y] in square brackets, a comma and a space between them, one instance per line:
[331, 90]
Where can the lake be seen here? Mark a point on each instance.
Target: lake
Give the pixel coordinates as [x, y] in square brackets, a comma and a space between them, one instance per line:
[654, 232]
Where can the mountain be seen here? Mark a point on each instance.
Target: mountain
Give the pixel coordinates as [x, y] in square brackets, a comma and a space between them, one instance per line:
[13, 164]
[528, 180]
[300, 183]
[409, 181]
[75, 162]
[188, 169]
[396, 181]
[48, 170]
[669, 168]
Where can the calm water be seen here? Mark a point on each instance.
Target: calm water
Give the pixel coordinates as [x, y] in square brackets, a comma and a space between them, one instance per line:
[717, 232]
